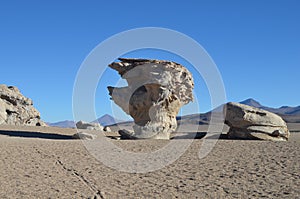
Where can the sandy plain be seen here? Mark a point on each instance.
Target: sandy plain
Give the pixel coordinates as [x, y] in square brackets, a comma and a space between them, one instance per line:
[44, 162]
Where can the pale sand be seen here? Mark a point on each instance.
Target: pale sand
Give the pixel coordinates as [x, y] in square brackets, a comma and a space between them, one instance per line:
[54, 166]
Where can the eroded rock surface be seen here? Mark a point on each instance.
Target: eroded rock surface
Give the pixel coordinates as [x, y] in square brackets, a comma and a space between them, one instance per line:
[16, 109]
[247, 122]
[156, 90]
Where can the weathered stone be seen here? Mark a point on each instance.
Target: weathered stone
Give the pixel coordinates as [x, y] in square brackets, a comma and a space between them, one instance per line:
[126, 134]
[156, 90]
[89, 126]
[84, 136]
[16, 109]
[106, 129]
[247, 122]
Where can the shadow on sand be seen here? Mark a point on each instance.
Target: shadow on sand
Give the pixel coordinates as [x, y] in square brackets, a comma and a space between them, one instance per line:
[28, 134]
[190, 135]
[187, 135]
[200, 135]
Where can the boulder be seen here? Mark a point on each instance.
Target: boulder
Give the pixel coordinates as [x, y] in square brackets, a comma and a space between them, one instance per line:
[106, 129]
[156, 91]
[84, 136]
[16, 109]
[89, 126]
[247, 122]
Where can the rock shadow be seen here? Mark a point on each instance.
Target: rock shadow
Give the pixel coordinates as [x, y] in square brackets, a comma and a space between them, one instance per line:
[191, 135]
[201, 135]
[225, 137]
[219, 136]
[28, 134]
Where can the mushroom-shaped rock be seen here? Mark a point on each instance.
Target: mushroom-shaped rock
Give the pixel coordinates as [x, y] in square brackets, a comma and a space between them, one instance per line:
[247, 122]
[156, 90]
[16, 109]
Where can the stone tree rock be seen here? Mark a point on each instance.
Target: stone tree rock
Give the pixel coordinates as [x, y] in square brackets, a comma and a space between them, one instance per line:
[16, 109]
[156, 90]
[247, 122]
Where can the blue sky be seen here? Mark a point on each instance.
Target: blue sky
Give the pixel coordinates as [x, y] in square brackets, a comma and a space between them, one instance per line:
[255, 44]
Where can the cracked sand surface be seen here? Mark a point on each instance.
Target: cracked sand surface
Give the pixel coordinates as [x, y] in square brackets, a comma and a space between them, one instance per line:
[46, 168]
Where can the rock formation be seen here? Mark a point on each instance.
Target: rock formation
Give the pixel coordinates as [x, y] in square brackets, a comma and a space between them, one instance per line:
[156, 90]
[89, 126]
[247, 122]
[16, 109]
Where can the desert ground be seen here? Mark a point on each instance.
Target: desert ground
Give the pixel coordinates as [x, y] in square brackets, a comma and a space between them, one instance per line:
[45, 162]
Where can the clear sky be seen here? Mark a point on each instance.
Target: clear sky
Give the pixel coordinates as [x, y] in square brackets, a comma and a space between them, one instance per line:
[255, 44]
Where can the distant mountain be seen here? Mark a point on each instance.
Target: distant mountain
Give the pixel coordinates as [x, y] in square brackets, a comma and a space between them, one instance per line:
[193, 119]
[252, 102]
[284, 110]
[289, 114]
[107, 120]
[296, 111]
[63, 124]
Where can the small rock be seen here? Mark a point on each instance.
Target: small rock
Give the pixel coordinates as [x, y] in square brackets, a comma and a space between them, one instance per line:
[227, 190]
[84, 136]
[89, 126]
[107, 129]
[126, 134]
